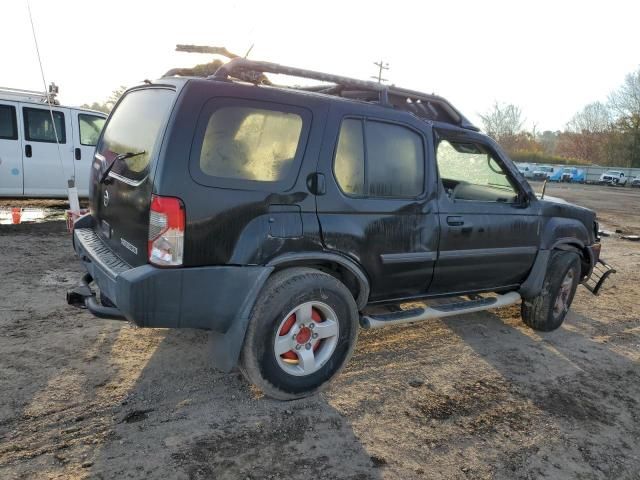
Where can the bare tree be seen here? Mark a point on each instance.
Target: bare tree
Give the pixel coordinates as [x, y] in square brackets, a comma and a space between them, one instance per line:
[502, 121]
[593, 118]
[625, 104]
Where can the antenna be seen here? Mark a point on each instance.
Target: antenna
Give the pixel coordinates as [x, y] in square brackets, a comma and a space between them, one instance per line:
[50, 93]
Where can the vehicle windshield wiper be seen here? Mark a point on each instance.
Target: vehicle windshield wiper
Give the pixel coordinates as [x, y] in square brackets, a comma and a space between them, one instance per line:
[122, 156]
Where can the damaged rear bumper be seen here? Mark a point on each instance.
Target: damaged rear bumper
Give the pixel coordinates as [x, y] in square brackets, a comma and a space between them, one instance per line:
[194, 297]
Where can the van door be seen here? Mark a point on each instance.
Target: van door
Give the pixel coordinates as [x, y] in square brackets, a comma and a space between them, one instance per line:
[46, 171]
[86, 131]
[380, 206]
[10, 150]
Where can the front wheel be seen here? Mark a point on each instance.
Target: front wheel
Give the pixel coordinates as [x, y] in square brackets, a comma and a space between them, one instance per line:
[547, 311]
[301, 333]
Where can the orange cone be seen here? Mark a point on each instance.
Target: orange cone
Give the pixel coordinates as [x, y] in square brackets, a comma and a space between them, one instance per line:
[16, 213]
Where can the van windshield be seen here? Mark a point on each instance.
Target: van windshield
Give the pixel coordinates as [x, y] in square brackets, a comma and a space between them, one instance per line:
[135, 126]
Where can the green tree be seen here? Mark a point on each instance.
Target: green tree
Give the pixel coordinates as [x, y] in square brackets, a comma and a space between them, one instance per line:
[109, 103]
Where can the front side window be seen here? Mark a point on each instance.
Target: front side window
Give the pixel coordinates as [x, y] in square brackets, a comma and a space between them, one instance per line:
[470, 171]
[393, 165]
[38, 126]
[250, 143]
[8, 126]
[90, 127]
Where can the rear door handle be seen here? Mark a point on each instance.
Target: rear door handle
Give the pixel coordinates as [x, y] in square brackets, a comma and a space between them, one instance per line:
[455, 221]
[27, 151]
[78, 153]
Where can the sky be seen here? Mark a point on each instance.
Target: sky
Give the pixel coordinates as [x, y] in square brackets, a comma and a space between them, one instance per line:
[550, 58]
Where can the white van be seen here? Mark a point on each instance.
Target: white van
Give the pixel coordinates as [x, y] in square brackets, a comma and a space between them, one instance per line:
[30, 165]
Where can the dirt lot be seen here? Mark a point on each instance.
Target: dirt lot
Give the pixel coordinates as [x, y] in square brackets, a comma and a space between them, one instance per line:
[477, 396]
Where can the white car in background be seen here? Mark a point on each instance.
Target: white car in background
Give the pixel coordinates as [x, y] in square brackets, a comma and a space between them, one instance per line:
[543, 172]
[613, 177]
[30, 163]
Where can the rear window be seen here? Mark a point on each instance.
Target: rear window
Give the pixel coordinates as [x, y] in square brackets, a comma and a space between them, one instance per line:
[135, 126]
[249, 143]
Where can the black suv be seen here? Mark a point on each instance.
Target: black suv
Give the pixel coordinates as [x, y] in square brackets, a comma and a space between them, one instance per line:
[282, 219]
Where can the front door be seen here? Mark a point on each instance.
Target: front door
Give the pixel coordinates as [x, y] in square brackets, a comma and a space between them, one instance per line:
[86, 131]
[380, 202]
[489, 230]
[10, 150]
[47, 165]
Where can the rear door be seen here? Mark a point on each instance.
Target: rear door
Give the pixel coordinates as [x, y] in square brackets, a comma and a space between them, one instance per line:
[86, 131]
[47, 164]
[120, 204]
[380, 204]
[10, 150]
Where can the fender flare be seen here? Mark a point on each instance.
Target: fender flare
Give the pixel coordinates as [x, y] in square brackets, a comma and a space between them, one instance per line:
[309, 258]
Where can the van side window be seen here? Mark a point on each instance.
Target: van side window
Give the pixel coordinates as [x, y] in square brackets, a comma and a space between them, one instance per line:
[249, 143]
[39, 128]
[392, 164]
[8, 124]
[90, 128]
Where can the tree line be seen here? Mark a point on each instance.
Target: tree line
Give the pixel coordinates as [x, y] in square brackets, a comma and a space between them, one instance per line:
[602, 133]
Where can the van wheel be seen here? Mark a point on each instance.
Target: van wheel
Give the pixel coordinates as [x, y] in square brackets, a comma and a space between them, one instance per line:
[301, 333]
[547, 311]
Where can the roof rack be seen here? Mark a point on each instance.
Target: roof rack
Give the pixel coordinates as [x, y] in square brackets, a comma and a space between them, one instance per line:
[21, 94]
[423, 105]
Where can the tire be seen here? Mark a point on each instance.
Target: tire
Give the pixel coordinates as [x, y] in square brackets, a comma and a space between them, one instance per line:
[314, 314]
[547, 311]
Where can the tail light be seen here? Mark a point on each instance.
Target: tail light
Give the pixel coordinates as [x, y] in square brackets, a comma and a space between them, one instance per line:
[166, 231]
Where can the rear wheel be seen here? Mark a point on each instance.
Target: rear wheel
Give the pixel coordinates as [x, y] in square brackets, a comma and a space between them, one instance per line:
[547, 311]
[302, 331]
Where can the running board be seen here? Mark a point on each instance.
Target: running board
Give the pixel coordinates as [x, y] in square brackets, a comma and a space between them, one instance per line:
[439, 311]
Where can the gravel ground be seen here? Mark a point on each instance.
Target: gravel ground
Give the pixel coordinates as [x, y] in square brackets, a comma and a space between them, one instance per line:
[475, 396]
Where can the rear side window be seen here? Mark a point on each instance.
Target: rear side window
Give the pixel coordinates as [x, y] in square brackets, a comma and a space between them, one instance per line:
[135, 126]
[90, 128]
[8, 124]
[38, 126]
[250, 143]
[377, 159]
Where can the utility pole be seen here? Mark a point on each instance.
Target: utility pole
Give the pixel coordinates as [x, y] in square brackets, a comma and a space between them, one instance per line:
[381, 66]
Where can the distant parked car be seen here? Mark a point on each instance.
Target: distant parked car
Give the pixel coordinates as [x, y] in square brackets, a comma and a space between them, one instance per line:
[613, 177]
[544, 172]
[573, 175]
[526, 171]
[635, 182]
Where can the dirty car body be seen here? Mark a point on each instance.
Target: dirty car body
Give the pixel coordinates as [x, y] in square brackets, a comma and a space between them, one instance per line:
[184, 236]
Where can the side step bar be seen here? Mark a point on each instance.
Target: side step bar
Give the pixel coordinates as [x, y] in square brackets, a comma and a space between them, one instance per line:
[439, 311]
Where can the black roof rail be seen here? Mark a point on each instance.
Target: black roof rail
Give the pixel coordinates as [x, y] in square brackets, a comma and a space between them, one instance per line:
[431, 107]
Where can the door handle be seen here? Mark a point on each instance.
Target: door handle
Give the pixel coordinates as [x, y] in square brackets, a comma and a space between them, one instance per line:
[27, 151]
[455, 221]
[78, 154]
[316, 184]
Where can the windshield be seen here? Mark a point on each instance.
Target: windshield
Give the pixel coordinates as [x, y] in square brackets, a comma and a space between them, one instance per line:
[135, 126]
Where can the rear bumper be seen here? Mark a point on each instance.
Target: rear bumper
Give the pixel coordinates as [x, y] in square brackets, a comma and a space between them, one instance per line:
[211, 298]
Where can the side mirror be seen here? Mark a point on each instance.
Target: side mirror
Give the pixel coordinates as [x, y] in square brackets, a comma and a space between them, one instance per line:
[544, 188]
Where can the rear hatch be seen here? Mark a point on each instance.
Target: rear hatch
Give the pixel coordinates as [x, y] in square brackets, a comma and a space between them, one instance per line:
[120, 204]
